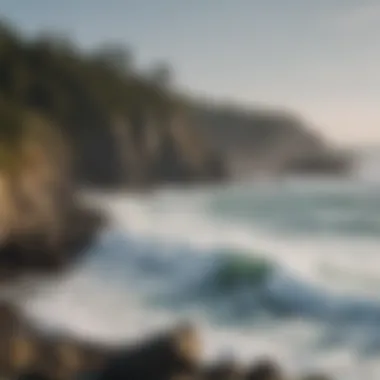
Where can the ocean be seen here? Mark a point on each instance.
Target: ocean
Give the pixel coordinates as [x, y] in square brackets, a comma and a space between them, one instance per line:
[288, 268]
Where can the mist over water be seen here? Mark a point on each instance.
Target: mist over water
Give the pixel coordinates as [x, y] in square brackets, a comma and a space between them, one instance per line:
[288, 268]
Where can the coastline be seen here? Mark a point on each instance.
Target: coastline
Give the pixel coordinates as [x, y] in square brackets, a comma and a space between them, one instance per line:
[167, 354]
[257, 339]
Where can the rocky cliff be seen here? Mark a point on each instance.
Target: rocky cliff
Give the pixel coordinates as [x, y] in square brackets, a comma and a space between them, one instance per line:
[128, 128]
[256, 141]
[123, 127]
[42, 224]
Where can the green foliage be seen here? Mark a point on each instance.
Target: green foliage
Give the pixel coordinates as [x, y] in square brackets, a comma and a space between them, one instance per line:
[73, 87]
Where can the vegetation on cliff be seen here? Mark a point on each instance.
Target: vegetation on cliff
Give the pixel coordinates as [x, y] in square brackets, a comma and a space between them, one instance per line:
[69, 118]
[124, 127]
[127, 127]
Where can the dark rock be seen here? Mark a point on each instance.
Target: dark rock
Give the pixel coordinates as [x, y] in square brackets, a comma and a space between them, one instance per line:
[174, 354]
[264, 369]
[27, 253]
[29, 354]
[34, 375]
[26, 351]
[223, 370]
[61, 358]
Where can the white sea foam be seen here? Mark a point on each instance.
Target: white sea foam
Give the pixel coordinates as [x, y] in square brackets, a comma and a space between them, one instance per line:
[104, 298]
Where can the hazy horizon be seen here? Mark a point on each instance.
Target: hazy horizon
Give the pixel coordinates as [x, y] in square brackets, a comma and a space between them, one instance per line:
[317, 58]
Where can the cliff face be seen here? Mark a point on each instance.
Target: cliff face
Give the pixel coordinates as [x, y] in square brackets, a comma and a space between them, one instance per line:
[270, 142]
[128, 129]
[39, 215]
[69, 119]
[118, 123]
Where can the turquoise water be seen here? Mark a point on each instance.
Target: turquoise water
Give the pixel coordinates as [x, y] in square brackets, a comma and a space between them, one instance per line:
[290, 269]
[329, 211]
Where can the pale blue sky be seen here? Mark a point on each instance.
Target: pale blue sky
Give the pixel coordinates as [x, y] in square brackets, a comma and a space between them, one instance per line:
[321, 58]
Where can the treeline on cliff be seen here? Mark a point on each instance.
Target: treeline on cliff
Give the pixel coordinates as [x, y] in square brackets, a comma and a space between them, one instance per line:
[123, 126]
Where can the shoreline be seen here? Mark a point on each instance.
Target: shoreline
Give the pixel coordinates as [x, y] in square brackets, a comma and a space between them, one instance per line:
[173, 351]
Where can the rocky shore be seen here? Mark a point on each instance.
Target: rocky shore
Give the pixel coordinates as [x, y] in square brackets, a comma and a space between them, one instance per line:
[168, 355]
[45, 228]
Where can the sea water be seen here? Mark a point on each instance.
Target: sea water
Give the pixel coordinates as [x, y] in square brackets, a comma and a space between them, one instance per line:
[288, 268]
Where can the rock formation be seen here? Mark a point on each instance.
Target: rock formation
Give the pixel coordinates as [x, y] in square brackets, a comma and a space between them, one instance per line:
[173, 354]
[256, 141]
[25, 350]
[42, 224]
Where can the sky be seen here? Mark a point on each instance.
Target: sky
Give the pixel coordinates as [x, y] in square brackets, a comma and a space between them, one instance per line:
[318, 58]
